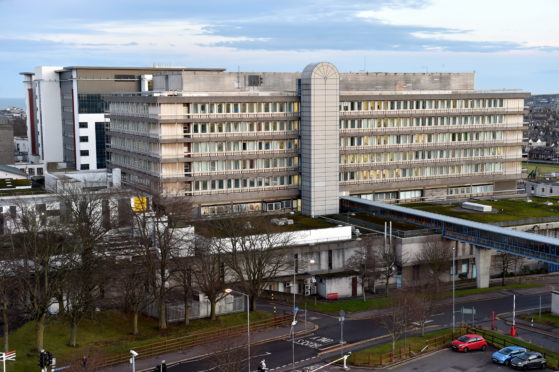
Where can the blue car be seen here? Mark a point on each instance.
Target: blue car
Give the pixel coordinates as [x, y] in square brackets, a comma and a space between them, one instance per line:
[505, 355]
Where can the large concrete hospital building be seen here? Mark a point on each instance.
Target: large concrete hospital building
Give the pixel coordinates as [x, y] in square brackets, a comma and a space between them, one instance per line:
[254, 142]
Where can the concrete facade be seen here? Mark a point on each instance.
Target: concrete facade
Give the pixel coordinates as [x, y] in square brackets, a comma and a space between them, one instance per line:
[319, 140]
[269, 142]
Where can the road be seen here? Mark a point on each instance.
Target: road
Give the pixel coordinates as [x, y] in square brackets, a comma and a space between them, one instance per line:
[279, 354]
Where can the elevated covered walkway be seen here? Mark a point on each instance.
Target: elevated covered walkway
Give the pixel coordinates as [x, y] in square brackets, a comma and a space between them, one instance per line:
[481, 235]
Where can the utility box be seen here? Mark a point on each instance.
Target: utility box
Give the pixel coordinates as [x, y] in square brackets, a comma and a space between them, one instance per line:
[555, 303]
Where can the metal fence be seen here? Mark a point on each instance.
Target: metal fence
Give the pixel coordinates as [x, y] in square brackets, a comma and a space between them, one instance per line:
[198, 309]
[191, 340]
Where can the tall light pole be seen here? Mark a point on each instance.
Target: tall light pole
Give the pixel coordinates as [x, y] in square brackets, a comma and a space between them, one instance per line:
[133, 360]
[311, 262]
[229, 290]
[453, 285]
[295, 309]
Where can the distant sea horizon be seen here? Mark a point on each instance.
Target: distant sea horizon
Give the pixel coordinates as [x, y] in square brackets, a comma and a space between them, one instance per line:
[12, 102]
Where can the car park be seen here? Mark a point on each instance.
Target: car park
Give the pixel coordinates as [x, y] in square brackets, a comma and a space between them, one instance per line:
[469, 342]
[528, 360]
[505, 355]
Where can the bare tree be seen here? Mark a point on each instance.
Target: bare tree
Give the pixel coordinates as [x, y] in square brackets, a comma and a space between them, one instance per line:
[136, 295]
[162, 236]
[208, 266]
[387, 260]
[365, 262]
[228, 356]
[422, 302]
[437, 258]
[398, 316]
[37, 245]
[252, 253]
[182, 274]
[85, 216]
[507, 263]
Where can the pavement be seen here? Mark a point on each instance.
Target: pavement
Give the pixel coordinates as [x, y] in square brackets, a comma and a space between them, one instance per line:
[306, 334]
[203, 351]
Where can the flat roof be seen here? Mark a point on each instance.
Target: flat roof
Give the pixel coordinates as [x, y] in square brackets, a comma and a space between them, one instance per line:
[457, 221]
[66, 68]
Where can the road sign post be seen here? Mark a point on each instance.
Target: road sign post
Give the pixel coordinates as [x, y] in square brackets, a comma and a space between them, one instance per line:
[10, 355]
[341, 319]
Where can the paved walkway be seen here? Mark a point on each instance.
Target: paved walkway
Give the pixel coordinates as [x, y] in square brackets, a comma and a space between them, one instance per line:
[148, 364]
[271, 334]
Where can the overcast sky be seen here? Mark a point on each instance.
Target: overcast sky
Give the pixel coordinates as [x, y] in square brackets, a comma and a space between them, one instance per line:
[511, 44]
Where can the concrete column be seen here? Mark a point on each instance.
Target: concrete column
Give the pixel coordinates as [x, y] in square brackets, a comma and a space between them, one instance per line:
[320, 140]
[483, 265]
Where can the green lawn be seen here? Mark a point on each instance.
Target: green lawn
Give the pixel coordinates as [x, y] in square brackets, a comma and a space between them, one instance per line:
[417, 343]
[398, 225]
[472, 291]
[507, 210]
[546, 318]
[351, 306]
[542, 168]
[108, 333]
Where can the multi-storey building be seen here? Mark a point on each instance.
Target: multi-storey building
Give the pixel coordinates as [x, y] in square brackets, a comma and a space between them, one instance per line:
[66, 110]
[235, 142]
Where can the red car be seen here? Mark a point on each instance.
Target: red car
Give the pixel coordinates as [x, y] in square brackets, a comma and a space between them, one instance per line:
[469, 342]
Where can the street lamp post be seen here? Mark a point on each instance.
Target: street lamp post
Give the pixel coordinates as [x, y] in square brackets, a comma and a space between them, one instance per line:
[453, 285]
[133, 360]
[310, 262]
[229, 290]
[295, 309]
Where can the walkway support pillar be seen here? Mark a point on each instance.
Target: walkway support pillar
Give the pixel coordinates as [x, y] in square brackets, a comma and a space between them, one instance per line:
[483, 265]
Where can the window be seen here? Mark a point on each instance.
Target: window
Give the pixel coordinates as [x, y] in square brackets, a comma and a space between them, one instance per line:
[329, 259]
[83, 124]
[84, 152]
[84, 139]
[84, 167]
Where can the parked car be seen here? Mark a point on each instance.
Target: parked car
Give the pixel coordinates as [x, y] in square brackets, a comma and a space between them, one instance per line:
[505, 355]
[469, 342]
[528, 360]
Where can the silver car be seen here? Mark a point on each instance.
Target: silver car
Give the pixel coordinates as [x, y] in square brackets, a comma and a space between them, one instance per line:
[528, 360]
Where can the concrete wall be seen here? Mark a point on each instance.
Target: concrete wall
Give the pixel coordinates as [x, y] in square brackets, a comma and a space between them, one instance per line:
[340, 285]
[320, 140]
[215, 81]
[406, 81]
[47, 96]
[6, 143]
[555, 303]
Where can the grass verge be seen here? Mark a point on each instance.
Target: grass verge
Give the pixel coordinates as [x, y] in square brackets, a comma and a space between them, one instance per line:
[473, 291]
[351, 306]
[546, 318]
[108, 333]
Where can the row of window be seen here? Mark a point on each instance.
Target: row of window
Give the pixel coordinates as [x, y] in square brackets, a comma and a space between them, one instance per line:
[420, 138]
[130, 144]
[445, 170]
[213, 147]
[265, 126]
[385, 157]
[133, 162]
[476, 189]
[224, 165]
[229, 209]
[235, 108]
[136, 127]
[392, 195]
[420, 122]
[129, 108]
[425, 104]
[246, 183]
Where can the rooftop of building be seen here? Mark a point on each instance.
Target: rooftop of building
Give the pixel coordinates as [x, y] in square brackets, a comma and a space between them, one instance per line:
[506, 212]
[265, 223]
